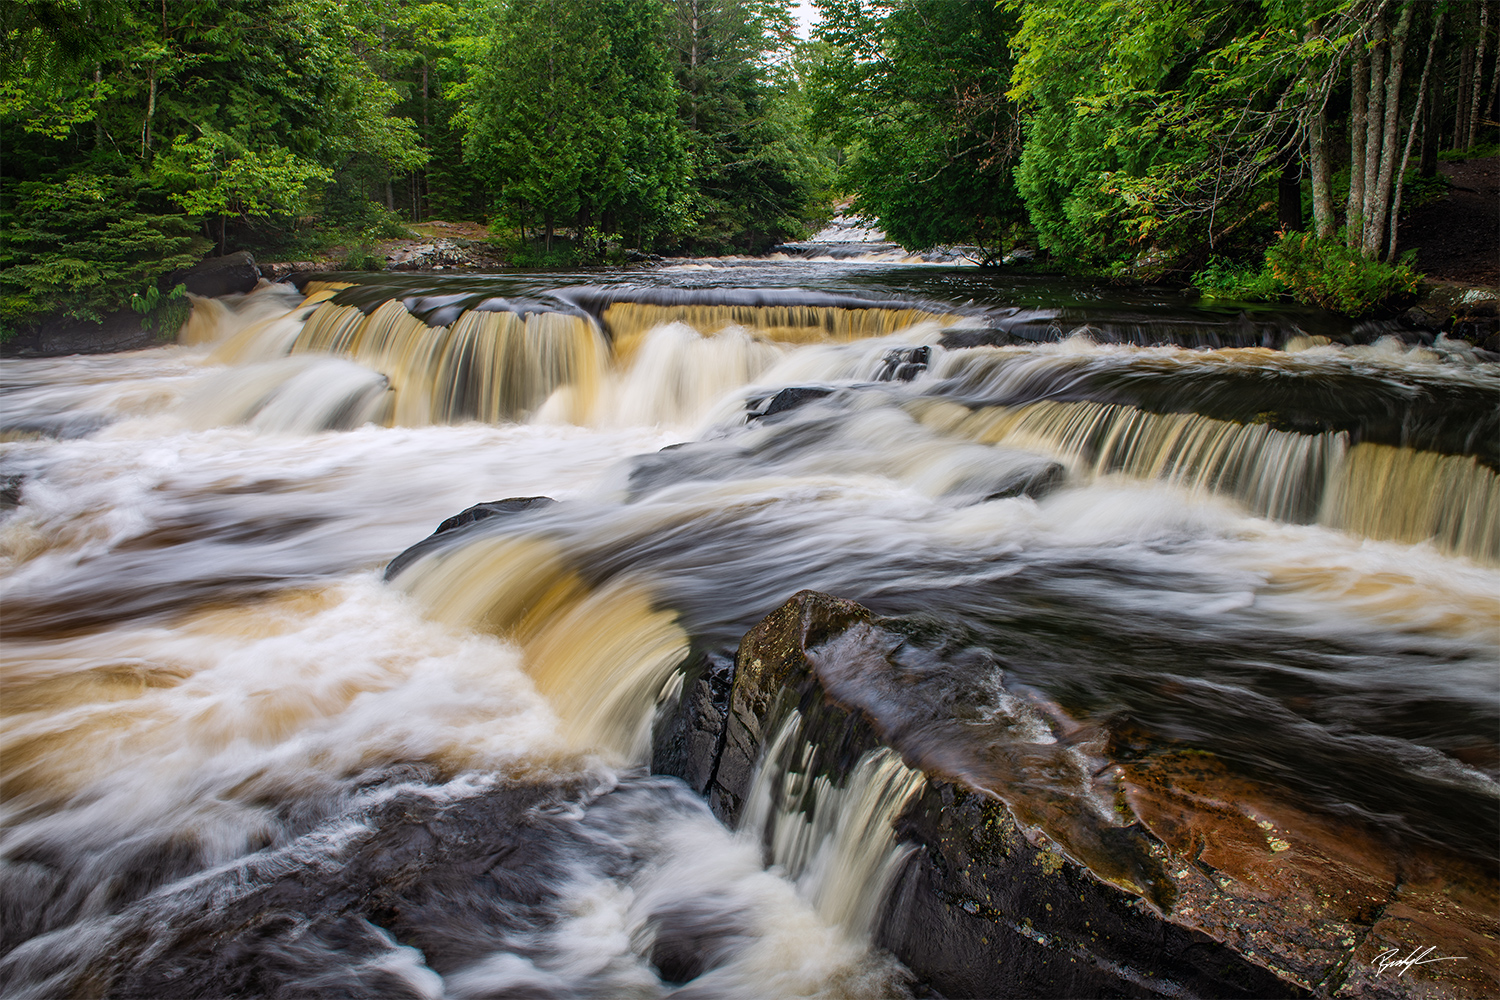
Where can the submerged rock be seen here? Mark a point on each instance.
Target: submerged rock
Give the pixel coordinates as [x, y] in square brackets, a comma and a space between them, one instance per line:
[473, 515]
[787, 399]
[1061, 858]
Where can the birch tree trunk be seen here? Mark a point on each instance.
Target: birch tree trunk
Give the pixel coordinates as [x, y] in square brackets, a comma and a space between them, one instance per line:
[1322, 186]
[1380, 204]
[1358, 119]
[1374, 127]
[1416, 115]
[1478, 74]
[1317, 158]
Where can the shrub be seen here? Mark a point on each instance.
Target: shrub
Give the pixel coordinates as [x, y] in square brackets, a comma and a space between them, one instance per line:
[163, 312]
[1224, 279]
[361, 257]
[1335, 277]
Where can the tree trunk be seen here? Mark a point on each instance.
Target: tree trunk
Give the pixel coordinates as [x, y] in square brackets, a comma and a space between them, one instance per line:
[1432, 128]
[1478, 76]
[1461, 102]
[1416, 115]
[1322, 185]
[1358, 120]
[548, 219]
[1374, 127]
[150, 112]
[390, 195]
[98, 123]
[1380, 203]
[1289, 193]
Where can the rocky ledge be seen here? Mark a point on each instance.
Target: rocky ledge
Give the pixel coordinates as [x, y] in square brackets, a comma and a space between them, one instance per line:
[1054, 858]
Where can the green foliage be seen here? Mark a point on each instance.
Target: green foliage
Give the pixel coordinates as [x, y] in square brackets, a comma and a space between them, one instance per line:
[1224, 279]
[1333, 276]
[214, 174]
[915, 93]
[1418, 190]
[163, 312]
[361, 256]
[756, 178]
[84, 244]
[1475, 152]
[1152, 129]
[569, 115]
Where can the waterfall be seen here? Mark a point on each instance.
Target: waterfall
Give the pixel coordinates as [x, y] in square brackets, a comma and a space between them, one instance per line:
[1377, 491]
[629, 322]
[1415, 496]
[835, 841]
[601, 656]
[1276, 474]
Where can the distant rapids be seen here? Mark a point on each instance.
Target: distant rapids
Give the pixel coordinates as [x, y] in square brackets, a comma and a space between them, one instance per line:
[247, 749]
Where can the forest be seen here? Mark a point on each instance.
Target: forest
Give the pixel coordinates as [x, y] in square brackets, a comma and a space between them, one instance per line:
[1255, 149]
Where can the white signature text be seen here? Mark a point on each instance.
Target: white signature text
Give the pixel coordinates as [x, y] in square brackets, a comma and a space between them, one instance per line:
[1391, 959]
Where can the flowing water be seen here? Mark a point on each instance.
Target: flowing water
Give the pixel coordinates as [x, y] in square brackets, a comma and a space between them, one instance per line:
[226, 720]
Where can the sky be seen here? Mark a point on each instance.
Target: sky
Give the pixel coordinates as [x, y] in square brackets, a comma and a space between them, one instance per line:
[806, 15]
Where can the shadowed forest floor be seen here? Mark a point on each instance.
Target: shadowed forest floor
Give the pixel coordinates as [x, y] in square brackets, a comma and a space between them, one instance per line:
[1458, 238]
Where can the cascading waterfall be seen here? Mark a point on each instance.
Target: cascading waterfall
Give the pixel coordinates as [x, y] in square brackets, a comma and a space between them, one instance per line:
[487, 366]
[234, 754]
[1415, 496]
[629, 322]
[1370, 490]
[1273, 473]
[834, 840]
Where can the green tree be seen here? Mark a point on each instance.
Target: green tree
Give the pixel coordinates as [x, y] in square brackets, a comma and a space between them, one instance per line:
[757, 178]
[915, 93]
[233, 117]
[569, 116]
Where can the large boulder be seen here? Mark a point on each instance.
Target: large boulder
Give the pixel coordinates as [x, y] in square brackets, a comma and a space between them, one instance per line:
[227, 275]
[1200, 882]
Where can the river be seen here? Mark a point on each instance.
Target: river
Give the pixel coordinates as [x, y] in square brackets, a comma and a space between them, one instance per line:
[1233, 532]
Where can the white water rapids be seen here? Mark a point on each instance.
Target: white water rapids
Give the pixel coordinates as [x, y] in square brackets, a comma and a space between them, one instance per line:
[205, 677]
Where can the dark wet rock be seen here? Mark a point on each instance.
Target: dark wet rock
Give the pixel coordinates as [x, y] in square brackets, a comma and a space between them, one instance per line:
[1203, 882]
[689, 939]
[227, 275]
[473, 515]
[688, 740]
[787, 399]
[288, 271]
[60, 335]
[638, 257]
[902, 364]
[1462, 311]
[10, 493]
[414, 875]
[966, 337]
[495, 508]
[1033, 484]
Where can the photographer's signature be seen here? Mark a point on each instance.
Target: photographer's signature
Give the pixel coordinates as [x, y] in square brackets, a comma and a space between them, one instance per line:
[1390, 959]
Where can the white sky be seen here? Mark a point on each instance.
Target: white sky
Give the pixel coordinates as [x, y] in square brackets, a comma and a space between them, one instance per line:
[806, 15]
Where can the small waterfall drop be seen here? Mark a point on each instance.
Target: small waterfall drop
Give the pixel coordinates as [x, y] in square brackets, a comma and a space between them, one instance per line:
[601, 656]
[835, 841]
[1415, 496]
[629, 322]
[299, 395]
[1276, 474]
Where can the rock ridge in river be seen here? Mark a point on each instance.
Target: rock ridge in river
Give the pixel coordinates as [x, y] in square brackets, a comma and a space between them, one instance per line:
[1200, 883]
